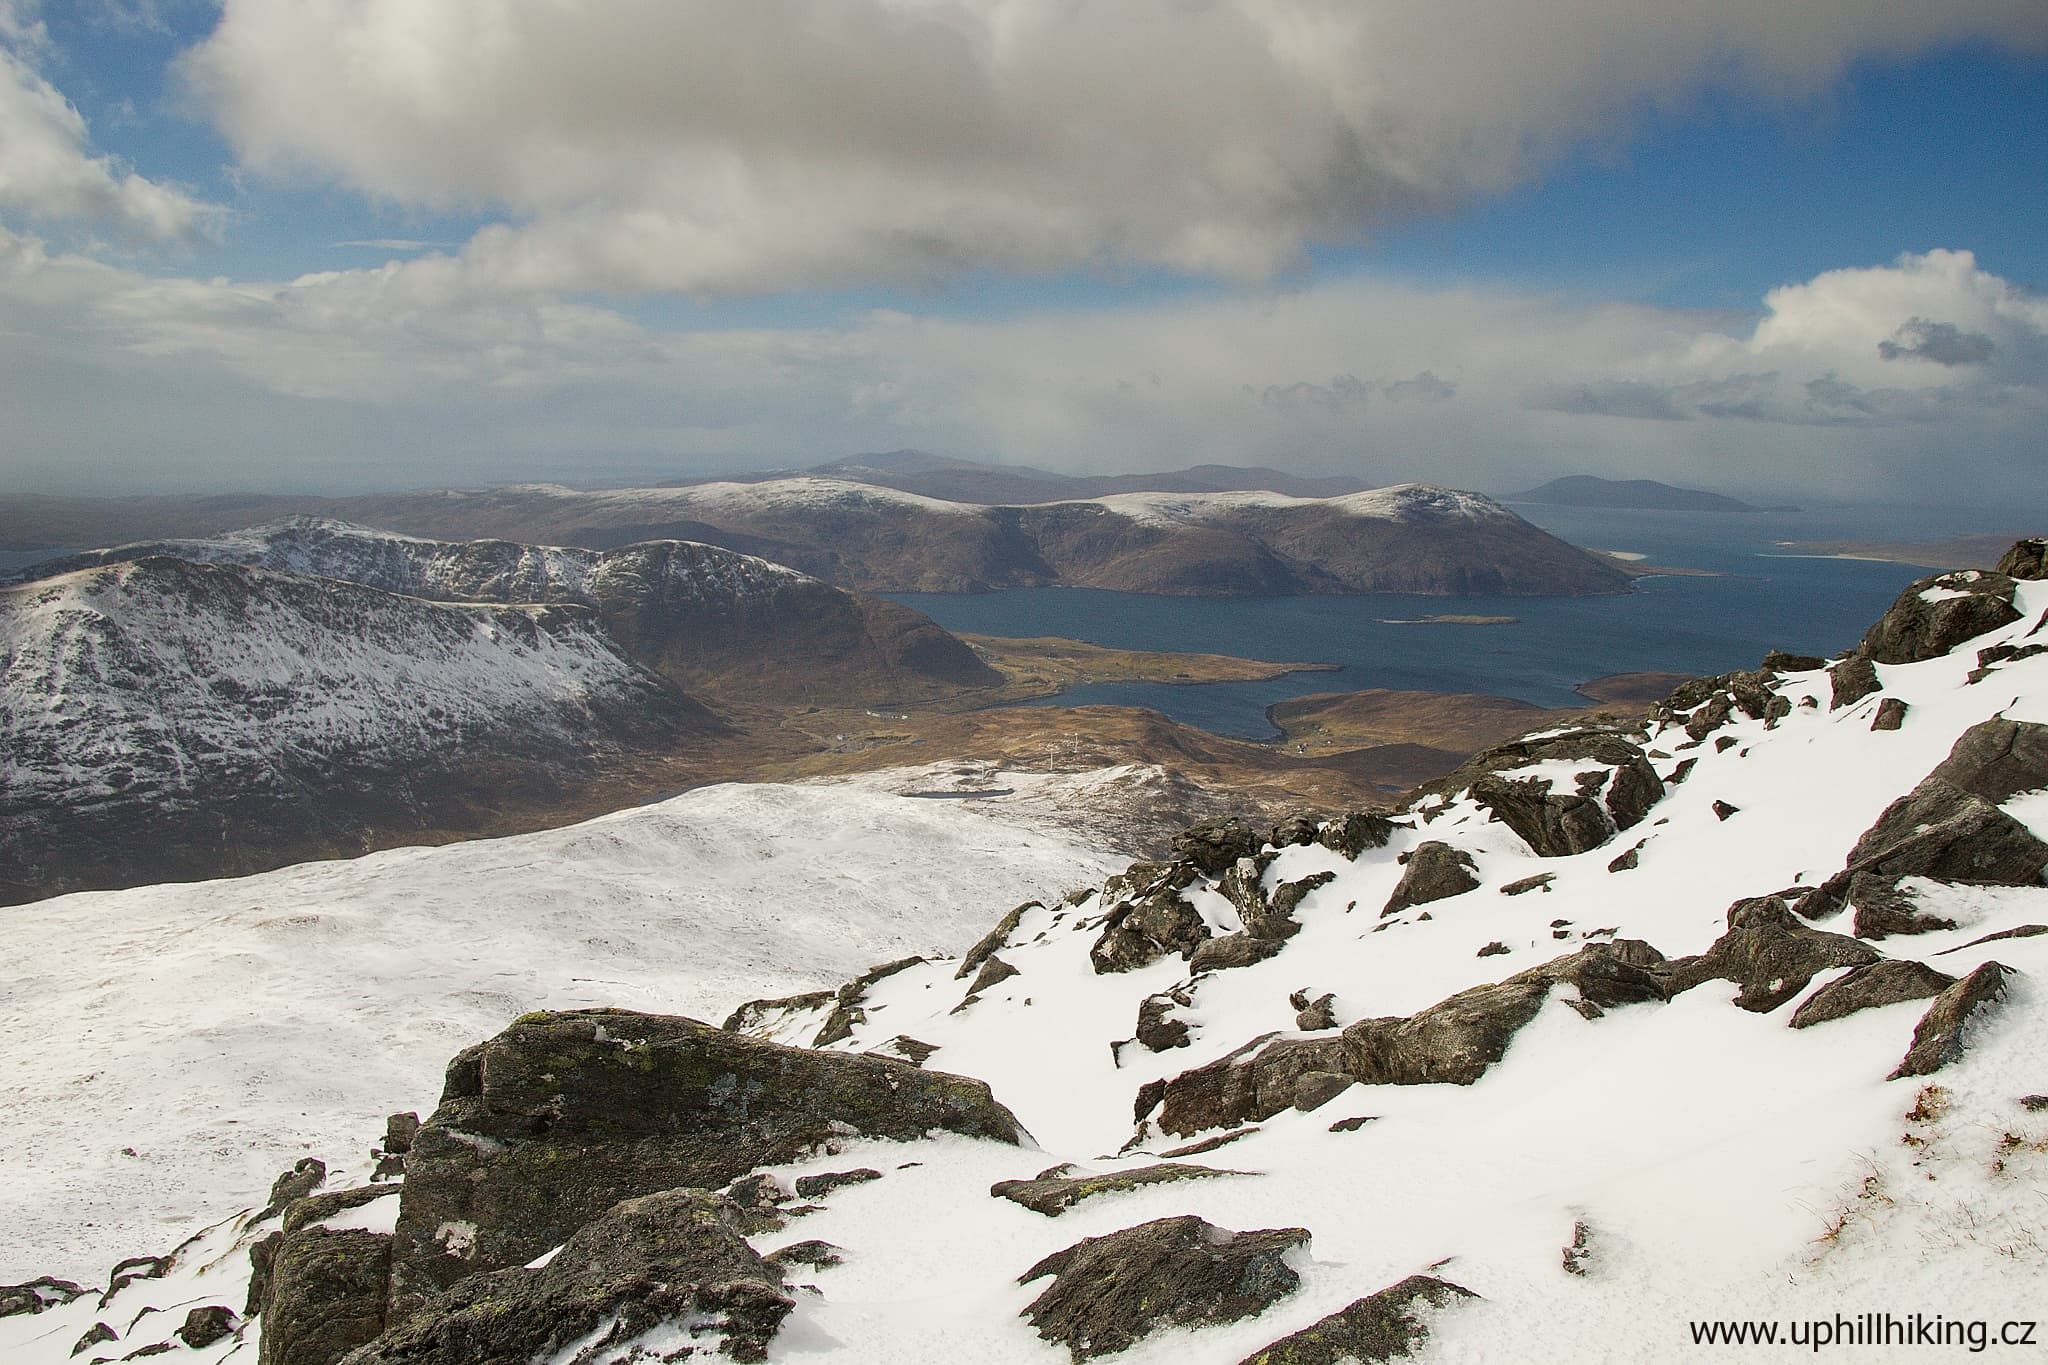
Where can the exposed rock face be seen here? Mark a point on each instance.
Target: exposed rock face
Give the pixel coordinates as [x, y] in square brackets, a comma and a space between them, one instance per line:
[1158, 1028]
[676, 1257]
[1052, 1192]
[302, 1179]
[547, 1125]
[1214, 845]
[1868, 987]
[1356, 832]
[1150, 920]
[2026, 559]
[993, 940]
[1457, 1039]
[1936, 614]
[1109, 1292]
[325, 1290]
[1769, 954]
[1435, 871]
[1613, 791]
[847, 1012]
[1851, 680]
[1377, 1328]
[1940, 1036]
[1941, 831]
[1997, 760]
[1232, 950]
[1891, 714]
[1883, 909]
[1253, 1083]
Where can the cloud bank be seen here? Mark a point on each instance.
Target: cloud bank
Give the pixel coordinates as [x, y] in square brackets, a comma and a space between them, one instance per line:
[747, 145]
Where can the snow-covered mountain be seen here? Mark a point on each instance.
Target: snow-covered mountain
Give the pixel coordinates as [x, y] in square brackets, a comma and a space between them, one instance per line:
[1612, 1042]
[708, 618]
[181, 718]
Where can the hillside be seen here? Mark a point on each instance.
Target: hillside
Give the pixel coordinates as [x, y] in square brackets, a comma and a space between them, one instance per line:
[1608, 1041]
[163, 718]
[1587, 490]
[940, 476]
[870, 538]
[708, 619]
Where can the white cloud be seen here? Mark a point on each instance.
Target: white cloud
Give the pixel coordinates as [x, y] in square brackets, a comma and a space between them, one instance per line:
[746, 145]
[403, 376]
[47, 167]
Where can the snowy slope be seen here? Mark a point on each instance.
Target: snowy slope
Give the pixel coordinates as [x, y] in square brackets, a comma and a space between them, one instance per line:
[222, 1029]
[1615, 1175]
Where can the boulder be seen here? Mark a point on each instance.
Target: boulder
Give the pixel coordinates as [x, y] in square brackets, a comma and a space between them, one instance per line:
[1158, 1028]
[1540, 882]
[994, 972]
[1769, 954]
[1276, 918]
[1242, 884]
[1251, 1084]
[1213, 845]
[2026, 559]
[205, 1326]
[1107, 1293]
[325, 1288]
[399, 1131]
[1891, 714]
[1941, 831]
[1868, 987]
[1883, 909]
[1356, 832]
[674, 1260]
[822, 1184]
[1148, 918]
[1052, 1192]
[1934, 615]
[561, 1116]
[847, 1013]
[1939, 1037]
[1296, 829]
[1781, 661]
[298, 1182]
[1997, 760]
[994, 939]
[1313, 1016]
[40, 1293]
[1614, 790]
[1435, 871]
[1455, 1040]
[95, 1335]
[1232, 950]
[1389, 1325]
[1853, 679]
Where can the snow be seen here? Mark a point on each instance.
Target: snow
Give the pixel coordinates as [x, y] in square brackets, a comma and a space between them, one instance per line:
[1399, 502]
[1716, 1163]
[770, 495]
[221, 1030]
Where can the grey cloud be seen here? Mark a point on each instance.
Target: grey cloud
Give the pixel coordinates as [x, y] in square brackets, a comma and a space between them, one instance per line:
[1614, 398]
[1942, 343]
[1347, 392]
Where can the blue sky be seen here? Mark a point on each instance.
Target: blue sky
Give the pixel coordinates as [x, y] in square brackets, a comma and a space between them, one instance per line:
[267, 245]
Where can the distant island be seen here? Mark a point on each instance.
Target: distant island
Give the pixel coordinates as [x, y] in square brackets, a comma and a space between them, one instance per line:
[1587, 490]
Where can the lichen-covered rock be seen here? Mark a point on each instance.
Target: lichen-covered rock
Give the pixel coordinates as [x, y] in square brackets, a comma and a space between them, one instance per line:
[667, 1260]
[1380, 1327]
[325, 1289]
[1052, 1192]
[1939, 1037]
[1868, 987]
[1769, 954]
[1934, 615]
[1435, 871]
[1850, 681]
[561, 1116]
[1110, 1292]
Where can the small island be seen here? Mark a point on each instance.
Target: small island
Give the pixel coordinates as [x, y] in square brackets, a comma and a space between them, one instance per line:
[1450, 619]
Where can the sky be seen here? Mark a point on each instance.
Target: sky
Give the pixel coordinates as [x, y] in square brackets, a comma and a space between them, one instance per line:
[1792, 250]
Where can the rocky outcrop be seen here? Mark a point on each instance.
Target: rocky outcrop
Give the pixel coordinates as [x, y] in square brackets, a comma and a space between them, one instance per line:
[1942, 832]
[1940, 1036]
[675, 1260]
[1386, 1326]
[992, 942]
[1769, 954]
[1891, 715]
[1997, 760]
[37, 1295]
[847, 1011]
[1934, 615]
[1871, 986]
[1883, 909]
[1253, 1083]
[1355, 832]
[206, 1325]
[324, 1289]
[561, 1116]
[1851, 680]
[1052, 1192]
[1107, 1293]
[1613, 791]
[1232, 950]
[2027, 559]
[1149, 920]
[1212, 846]
[1435, 871]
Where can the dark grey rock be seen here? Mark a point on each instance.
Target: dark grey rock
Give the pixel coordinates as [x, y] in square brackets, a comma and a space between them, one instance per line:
[913, 1050]
[847, 1013]
[399, 1131]
[1108, 1293]
[204, 1326]
[677, 1256]
[1294, 830]
[1883, 909]
[325, 1294]
[1276, 918]
[95, 1335]
[1939, 1037]
[1150, 919]
[1969, 603]
[262, 1256]
[1722, 810]
[561, 1116]
[1377, 1328]
[1356, 832]
[33, 1297]
[1628, 861]
[1779, 661]
[1891, 714]
[813, 1253]
[1868, 987]
[993, 972]
[1435, 871]
[298, 1182]
[134, 1268]
[1540, 882]
[1682, 771]
[1997, 760]
[1252, 1083]
[2017, 931]
[1232, 950]
[1769, 954]
[1318, 1014]
[1213, 845]
[1052, 1192]
[818, 1186]
[1946, 833]
[1314, 1089]
[1853, 679]
[1158, 1028]
[752, 1014]
[1242, 885]
[1354, 1123]
[1494, 949]
[1615, 793]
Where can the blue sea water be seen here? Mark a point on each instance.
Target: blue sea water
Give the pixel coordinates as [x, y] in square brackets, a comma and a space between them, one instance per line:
[1759, 598]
